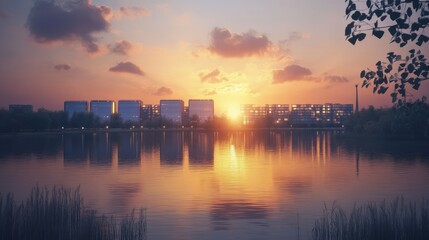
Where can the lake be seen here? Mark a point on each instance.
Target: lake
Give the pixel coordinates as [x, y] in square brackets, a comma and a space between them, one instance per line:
[218, 185]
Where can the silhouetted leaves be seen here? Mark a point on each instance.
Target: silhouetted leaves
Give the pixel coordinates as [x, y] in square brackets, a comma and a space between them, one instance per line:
[410, 70]
[408, 20]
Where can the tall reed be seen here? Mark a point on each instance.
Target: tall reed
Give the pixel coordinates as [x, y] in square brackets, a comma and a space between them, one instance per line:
[60, 213]
[394, 220]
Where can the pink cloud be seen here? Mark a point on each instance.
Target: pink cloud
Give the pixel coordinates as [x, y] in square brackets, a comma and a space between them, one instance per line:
[122, 48]
[162, 91]
[50, 21]
[227, 44]
[291, 73]
[214, 76]
[127, 67]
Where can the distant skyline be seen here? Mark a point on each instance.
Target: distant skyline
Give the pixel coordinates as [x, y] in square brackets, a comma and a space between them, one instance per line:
[234, 52]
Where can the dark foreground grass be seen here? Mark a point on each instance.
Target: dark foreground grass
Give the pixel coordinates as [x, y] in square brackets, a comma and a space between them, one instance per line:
[395, 220]
[59, 213]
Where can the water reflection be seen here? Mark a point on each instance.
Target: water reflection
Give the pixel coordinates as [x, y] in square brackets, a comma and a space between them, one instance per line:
[101, 149]
[211, 185]
[201, 148]
[129, 149]
[76, 148]
[171, 148]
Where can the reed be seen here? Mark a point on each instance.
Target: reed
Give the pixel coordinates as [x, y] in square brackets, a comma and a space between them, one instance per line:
[60, 213]
[396, 220]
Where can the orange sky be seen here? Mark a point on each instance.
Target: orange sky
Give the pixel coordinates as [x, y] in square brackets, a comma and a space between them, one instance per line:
[283, 51]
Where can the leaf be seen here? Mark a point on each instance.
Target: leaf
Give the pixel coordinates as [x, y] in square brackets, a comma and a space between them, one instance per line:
[378, 33]
[394, 96]
[352, 40]
[422, 39]
[406, 37]
[416, 4]
[409, 12]
[351, 7]
[362, 74]
[416, 86]
[382, 90]
[349, 28]
[383, 18]
[368, 3]
[378, 12]
[363, 16]
[410, 68]
[415, 27]
[394, 15]
[361, 36]
[404, 75]
[356, 15]
[424, 21]
[392, 30]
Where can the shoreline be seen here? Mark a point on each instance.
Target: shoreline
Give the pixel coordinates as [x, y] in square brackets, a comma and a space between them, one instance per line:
[119, 130]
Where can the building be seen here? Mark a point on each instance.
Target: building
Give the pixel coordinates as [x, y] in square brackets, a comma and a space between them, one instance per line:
[102, 109]
[200, 110]
[72, 107]
[172, 110]
[278, 113]
[150, 112]
[21, 108]
[306, 114]
[320, 114]
[251, 113]
[340, 113]
[130, 110]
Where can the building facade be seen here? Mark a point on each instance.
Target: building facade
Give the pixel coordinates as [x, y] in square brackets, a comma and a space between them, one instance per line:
[251, 113]
[150, 112]
[278, 113]
[102, 109]
[73, 107]
[200, 110]
[172, 111]
[130, 110]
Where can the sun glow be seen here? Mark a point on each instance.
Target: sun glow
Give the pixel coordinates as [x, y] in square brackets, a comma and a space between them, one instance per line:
[234, 113]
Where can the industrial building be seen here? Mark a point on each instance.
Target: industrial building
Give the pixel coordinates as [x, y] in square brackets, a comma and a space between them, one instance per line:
[73, 107]
[296, 114]
[201, 109]
[130, 110]
[102, 109]
[172, 111]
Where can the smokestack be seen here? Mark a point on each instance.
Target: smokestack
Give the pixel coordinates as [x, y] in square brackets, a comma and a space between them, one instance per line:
[357, 99]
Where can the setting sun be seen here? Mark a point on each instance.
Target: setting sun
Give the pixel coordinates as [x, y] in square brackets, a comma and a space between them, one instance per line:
[234, 112]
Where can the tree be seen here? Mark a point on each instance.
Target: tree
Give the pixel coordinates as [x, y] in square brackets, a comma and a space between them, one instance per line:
[406, 21]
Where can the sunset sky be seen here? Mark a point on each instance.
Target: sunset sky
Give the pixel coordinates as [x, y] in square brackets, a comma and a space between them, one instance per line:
[235, 51]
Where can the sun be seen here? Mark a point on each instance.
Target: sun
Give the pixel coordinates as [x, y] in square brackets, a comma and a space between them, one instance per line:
[234, 113]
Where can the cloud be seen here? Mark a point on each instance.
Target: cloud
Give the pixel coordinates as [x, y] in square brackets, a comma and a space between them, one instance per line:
[122, 48]
[68, 21]
[336, 79]
[227, 44]
[127, 67]
[209, 92]
[291, 73]
[64, 67]
[214, 76]
[162, 91]
[131, 12]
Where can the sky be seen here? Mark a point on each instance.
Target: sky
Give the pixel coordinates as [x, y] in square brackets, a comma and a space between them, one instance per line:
[234, 52]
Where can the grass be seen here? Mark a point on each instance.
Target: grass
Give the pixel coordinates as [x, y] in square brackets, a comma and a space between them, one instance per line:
[60, 213]
[394, 220]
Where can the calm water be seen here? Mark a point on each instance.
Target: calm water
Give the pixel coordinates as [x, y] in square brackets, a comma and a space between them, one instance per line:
[205, 185]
